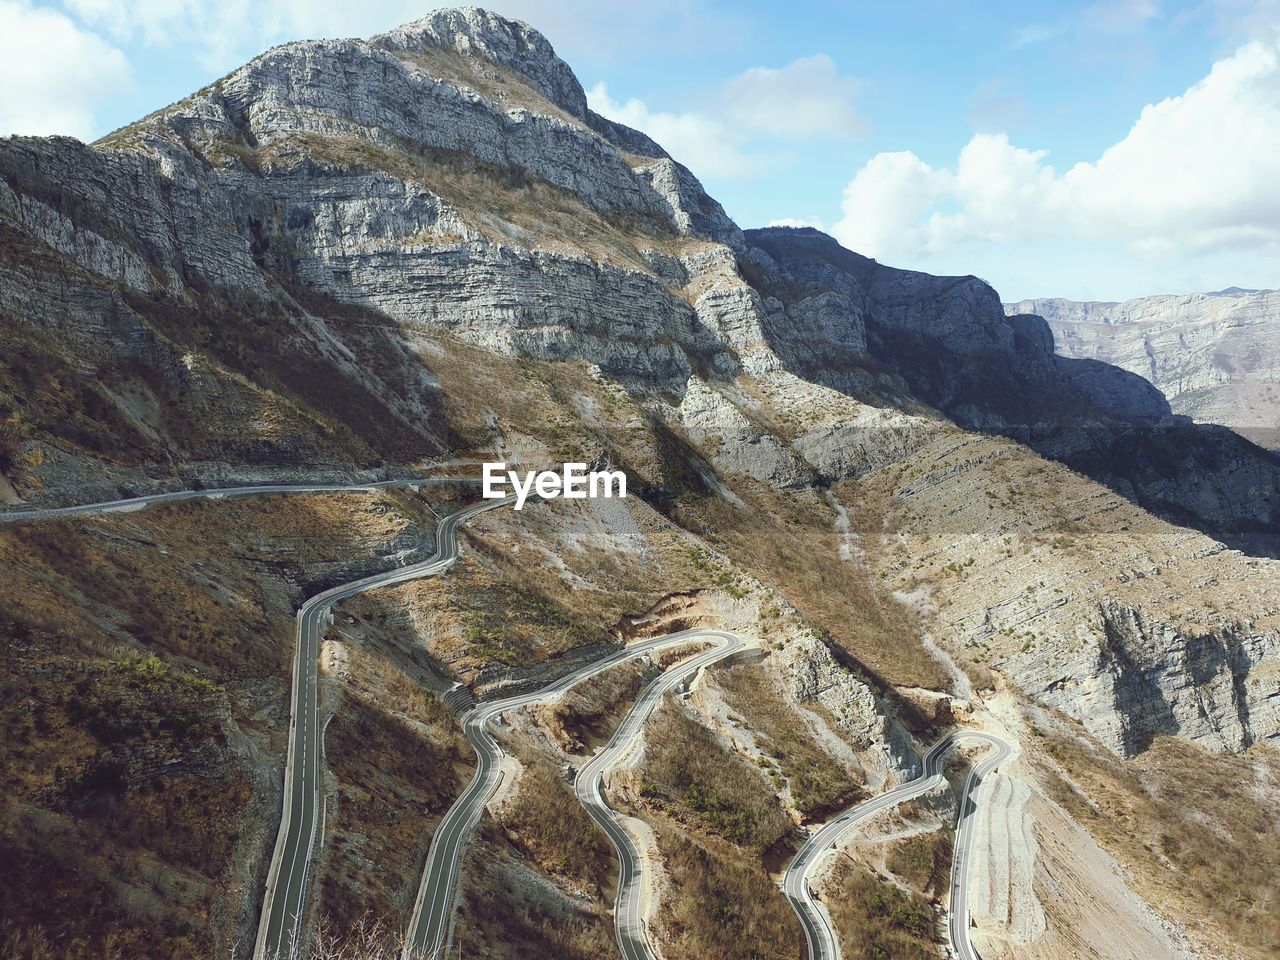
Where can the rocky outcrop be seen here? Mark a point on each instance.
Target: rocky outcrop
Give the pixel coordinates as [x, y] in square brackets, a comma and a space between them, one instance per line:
[1218, 687]
[1083, 601]
[1216, 356]
[1142, 676]
[813, 675]
[252, 275]
[952, 345]
[447, 173]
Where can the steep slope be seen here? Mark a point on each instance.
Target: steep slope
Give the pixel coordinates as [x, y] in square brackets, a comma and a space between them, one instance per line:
[1216, 356]
[950, 342]
[350, 256]
[193, 260]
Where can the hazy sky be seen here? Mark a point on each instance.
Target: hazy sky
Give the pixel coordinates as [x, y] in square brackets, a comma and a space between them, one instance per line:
[1097, 151]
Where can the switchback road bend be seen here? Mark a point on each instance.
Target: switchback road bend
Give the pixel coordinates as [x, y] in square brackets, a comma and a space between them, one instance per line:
[628, 909]
[432, 921]
[818, 931]
[284, 904]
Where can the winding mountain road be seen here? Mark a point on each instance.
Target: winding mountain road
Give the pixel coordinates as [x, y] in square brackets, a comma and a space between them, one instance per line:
[818, 930]
[962, 855]
[432, 922]
[280, 926]
[628, 908]
[139, 503]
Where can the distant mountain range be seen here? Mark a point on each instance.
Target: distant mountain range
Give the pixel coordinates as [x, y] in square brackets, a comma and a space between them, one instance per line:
[1216, 356]
[353, 261]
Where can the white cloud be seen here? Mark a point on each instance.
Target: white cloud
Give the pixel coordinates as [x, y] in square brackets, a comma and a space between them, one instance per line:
[719, 141]
[1196, 173]
[223, 35]
[707, 146]
[806, 98]
[885, 205]
[52, 73]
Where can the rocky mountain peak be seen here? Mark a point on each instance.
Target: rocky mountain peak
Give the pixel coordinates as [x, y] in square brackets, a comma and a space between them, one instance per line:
[511, 44]
[449, 175]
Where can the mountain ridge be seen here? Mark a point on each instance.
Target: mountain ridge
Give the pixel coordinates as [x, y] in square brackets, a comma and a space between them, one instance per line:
[356, 258]
[1213, 354]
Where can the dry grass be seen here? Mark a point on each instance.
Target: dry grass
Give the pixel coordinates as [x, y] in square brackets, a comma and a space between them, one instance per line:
[221, 593]
[43, 395]
[395, 782]
[122, 804]
[507, 913]
[590, 712]
[820, 784]
[923, 861]
[877, 918]
[689, 775]
[478, 618]
[399, 760]
[787, 539]
[136, 646]
[545, 822]
[1196, 831]
[718, 906]
[491, 80]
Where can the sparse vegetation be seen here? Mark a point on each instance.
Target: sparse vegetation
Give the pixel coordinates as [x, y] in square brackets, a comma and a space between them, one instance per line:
[142, 652]
[545, 822]
[396, 779]
[786, 539]
[1196, 831]
[688, 775]
[923, 861]
[721, 907]
[820, 783]
[884, 920]
[110, 767]
[593, 708]
[507, 914]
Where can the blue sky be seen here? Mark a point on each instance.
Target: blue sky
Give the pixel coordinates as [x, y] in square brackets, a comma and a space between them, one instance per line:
[1091, 150]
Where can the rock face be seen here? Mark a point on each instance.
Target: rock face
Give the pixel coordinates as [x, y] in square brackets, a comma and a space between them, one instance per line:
[449, 175]
[951, 342]
[1216, 356]
[813, 676]
[245, 283]
[1205, 686]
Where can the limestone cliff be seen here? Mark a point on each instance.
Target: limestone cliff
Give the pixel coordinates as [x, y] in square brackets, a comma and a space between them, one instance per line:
[1216, 356]
[253, 275]
[949, 340]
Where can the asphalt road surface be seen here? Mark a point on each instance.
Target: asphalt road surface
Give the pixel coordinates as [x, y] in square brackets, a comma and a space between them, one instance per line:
[818, 931]
[279, 931]
[284, 905]
[140, 503]
[962, 856]
[628, 908]
[431, 924]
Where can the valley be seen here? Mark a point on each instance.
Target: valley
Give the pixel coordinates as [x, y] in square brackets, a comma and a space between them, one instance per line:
[893, 629]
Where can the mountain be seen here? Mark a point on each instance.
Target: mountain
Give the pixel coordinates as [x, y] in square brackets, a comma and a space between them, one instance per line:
[1216, 356]
[352, 260]
[949, 339]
